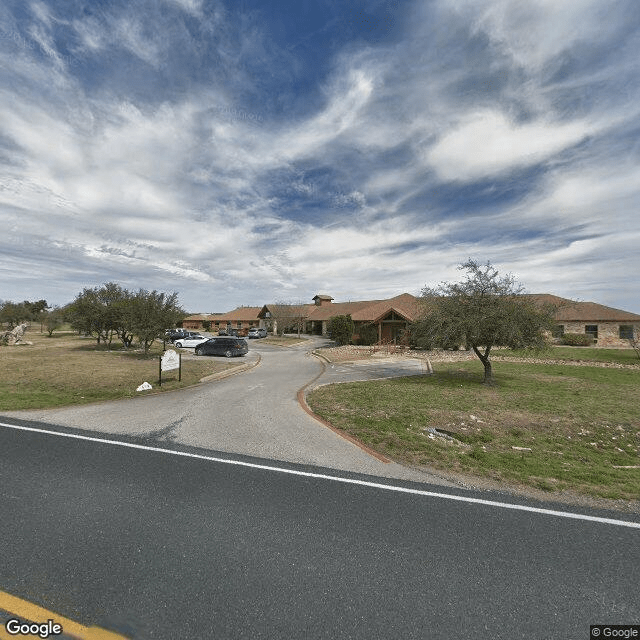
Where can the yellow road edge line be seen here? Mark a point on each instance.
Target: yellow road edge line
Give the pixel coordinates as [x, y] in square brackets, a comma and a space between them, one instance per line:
[26, 610]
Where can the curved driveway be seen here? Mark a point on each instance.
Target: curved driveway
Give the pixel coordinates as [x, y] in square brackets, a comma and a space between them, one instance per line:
[253, 413]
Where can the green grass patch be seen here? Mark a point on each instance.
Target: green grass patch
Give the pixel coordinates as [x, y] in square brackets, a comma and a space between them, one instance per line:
[583, 354]
[67, 369]
[548, 426]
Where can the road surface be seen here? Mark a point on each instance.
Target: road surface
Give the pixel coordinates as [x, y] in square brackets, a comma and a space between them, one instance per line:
[152, 544]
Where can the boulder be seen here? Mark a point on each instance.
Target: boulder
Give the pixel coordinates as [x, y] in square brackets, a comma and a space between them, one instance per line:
[15, 335]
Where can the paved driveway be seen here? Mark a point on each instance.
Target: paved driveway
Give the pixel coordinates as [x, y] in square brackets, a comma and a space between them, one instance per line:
[372, 369]
[253, 413]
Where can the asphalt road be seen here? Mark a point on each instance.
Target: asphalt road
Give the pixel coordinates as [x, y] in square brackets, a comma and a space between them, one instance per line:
[254, 413]
[157, 545]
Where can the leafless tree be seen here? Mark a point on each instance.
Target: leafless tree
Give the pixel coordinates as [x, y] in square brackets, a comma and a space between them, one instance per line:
[288, 316]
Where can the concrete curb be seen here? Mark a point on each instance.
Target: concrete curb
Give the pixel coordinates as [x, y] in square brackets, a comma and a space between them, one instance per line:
[231, 372]
[302, 401]
[322, 358]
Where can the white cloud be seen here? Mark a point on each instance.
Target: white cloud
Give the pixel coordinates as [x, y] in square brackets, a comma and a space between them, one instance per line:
[172, 188]
[487, 143]
[347, 101]
[91, 33]
[193, 7]
[532, 33]
[41, 12]
[130, 33]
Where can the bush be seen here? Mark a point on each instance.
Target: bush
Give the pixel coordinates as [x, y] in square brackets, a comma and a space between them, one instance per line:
[367, 335]
[341, 329]
[577, 339]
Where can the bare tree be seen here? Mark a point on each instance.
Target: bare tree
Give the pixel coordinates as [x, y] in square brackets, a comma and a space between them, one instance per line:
[287, 316]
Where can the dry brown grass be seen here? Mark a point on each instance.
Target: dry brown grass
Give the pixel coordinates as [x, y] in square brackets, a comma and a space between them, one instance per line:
[69, 369]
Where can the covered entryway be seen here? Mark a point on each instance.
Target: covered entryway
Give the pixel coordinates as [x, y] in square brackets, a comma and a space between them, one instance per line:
[392, 327]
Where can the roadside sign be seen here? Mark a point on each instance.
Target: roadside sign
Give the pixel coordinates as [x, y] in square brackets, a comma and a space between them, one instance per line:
[170, 360]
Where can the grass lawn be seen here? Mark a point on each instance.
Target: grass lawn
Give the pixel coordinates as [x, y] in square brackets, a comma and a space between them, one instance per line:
[586, 354]
[67, 369]
[548, 426]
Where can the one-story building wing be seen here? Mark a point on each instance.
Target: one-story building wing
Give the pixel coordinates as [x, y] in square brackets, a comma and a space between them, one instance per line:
[240, 318]
[607, 326]
[198, 320]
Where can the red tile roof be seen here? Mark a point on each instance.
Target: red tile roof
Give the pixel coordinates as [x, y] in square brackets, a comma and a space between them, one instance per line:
[404, 305]
[244, 314]
[410, 307]
[203, 316]
[572, 311]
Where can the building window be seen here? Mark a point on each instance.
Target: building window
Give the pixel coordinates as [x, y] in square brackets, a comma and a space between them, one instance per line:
[591, 330]
[558, 331]
[626, 331]
[239, 324]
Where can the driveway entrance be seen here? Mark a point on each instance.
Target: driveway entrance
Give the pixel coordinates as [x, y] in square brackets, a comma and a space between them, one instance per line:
[254, 413]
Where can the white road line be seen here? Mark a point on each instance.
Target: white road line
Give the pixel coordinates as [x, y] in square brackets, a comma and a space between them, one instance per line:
[364, 483]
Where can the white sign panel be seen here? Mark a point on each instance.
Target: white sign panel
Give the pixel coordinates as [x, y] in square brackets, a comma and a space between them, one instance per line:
[170, 360]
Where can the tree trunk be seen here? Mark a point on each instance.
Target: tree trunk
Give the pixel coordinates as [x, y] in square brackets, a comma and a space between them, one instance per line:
[488, 374]
[484, 358]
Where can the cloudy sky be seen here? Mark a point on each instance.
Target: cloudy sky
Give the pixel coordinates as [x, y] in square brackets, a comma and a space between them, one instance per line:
[243, 151]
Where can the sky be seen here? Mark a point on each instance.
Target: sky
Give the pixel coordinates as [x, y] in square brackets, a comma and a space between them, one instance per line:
[245, 152]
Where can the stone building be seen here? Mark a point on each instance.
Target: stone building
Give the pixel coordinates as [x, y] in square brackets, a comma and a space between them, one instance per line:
[391, 318]
[607, 326]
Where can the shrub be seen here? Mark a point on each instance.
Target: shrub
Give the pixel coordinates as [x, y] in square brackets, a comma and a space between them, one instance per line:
[341, 329]
[577, 339]
[367, 334]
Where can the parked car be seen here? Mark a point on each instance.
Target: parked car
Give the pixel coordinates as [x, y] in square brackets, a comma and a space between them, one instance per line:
[228, 332]
[223, 346]
[257, 333]
[191, 341]
[173, 334]
[176, 334]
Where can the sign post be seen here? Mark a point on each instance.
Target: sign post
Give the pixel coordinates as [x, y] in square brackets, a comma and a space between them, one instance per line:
[168, 361]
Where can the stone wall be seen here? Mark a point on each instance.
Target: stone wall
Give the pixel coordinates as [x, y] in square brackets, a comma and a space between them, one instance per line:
[608, 332]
